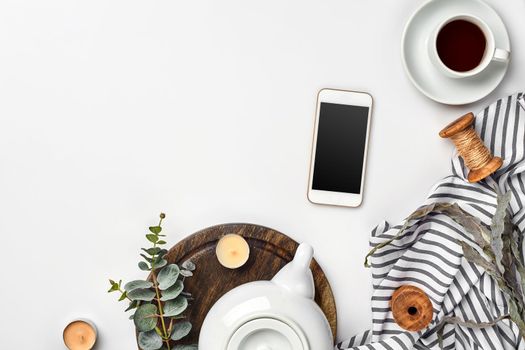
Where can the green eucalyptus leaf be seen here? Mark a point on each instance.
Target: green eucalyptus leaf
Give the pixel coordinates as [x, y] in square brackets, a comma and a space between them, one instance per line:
[114, 286]
[137, 284]
[186, 273]
[152, 251]
[149, 340]
[132, 305]
[152, 238]
[188, 265]
[123, 296]
[145, 317]
[143, 294]
[161, 242]
[173, 291]
[155, 229]
[180, 330]
[175, 307]
[144, 266]
[168, 276]
[147, 258]
[158, 258]
[162, 252]
[161, 263]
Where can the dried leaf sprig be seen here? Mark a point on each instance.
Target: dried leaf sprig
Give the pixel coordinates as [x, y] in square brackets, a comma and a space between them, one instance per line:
[468, 323]
[159, 301]
[501, 257]
[469, 222]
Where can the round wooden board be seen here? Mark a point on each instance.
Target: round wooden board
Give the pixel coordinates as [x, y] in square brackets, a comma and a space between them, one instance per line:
[269, 252]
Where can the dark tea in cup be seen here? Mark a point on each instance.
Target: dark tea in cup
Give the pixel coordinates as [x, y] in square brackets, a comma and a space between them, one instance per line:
[461, 45]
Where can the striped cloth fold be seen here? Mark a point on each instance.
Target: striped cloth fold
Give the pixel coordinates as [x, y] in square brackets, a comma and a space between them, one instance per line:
[429, 257]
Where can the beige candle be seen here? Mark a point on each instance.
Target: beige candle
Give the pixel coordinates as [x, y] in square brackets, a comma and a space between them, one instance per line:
[80, 335]
[232, 251]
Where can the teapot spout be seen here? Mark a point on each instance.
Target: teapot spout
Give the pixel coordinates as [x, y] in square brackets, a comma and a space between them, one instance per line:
[303, 255]
[296, 276]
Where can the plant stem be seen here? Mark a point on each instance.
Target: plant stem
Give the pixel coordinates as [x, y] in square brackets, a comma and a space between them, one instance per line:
[122, 292]
[161, 312]
[166, 336]
[170, 326]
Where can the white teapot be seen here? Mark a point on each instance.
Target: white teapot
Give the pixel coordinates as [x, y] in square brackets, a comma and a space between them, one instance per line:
[270, 315]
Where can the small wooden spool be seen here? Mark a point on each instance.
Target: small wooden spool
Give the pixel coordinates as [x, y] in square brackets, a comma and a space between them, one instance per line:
[460, 126]
[411, 308]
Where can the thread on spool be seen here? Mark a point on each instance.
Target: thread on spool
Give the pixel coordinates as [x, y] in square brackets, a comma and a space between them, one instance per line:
[470, 147]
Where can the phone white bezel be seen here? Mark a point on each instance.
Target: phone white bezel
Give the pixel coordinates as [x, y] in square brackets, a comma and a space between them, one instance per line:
[353, 98]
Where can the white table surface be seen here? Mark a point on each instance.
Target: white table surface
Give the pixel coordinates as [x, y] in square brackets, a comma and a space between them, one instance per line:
[112, 111]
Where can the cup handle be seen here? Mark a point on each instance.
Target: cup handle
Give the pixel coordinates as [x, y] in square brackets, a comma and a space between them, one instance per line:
[501, 55]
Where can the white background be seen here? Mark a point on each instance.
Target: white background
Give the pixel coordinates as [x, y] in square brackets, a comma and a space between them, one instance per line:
[112, 111]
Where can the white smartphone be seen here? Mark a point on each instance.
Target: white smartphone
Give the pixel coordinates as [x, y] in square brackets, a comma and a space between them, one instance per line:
[338, 161]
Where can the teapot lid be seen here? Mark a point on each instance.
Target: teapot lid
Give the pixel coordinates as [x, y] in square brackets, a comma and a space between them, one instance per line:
[267, 334]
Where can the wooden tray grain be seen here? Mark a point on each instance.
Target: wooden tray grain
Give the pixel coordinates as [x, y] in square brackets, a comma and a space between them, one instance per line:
[270, 250]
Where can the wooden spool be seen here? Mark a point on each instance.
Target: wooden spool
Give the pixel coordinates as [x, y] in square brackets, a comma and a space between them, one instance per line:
[411, 308]
[486, 169]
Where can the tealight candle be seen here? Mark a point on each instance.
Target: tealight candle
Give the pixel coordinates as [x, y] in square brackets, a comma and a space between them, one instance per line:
[232, 251]
[80, 335]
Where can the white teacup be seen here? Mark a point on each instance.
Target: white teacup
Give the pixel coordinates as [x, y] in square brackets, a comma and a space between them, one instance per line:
[492, 53]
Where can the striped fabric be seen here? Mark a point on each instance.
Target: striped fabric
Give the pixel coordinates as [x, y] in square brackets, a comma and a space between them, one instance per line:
[429, 257]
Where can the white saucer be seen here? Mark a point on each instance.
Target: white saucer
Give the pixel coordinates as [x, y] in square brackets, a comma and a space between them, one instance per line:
[426, 77]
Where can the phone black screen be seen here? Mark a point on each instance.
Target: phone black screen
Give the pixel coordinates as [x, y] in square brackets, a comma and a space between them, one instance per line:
[339, 155]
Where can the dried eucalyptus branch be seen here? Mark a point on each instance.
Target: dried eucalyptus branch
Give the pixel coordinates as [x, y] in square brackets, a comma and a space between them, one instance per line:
[471, 224]
[501, 257]
[468, 323]
[417, 215]
[159, 301]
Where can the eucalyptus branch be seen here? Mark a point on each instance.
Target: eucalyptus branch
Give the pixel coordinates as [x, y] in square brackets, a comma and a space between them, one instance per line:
[116, 287]
[165, 335]
[497, 249]
[159, 298]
